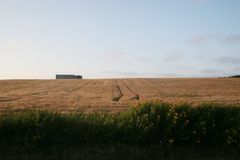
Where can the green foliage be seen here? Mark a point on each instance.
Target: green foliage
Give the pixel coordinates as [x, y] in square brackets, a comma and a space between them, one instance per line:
[150, 123]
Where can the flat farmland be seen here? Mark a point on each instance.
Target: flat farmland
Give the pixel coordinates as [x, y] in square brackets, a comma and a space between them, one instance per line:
[114, 94]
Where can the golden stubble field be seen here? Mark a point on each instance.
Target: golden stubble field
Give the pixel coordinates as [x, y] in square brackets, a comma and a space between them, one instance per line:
[114, 94]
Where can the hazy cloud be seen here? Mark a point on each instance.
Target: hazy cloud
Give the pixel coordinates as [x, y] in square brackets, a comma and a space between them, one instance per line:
[122, 73]
[133, 74]
[197, 2]
[232, 39]
[228, 60]
[237, 69]
[203, 39]
[198, 40]
[143, 59]
[210, 71]
[173, 55]
[216, 38]
[183, 67]
[114, 55]
[167, 75]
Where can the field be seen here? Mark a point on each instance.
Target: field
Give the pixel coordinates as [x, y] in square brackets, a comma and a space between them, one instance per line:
[95, 119]
[114, 94]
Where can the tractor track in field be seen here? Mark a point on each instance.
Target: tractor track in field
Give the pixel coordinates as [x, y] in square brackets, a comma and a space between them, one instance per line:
[8, 99]
[56, 88]
[132, 90]
[61, 88]
[79, 87]
[32, 94]
[116, 91]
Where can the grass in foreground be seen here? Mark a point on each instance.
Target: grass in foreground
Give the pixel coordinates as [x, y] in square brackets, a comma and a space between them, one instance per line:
[154, 129]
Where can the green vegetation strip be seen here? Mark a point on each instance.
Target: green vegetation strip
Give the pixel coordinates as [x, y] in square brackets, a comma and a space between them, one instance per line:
[152, 123]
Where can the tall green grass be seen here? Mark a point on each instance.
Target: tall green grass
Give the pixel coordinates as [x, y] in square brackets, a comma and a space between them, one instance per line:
[150, 123]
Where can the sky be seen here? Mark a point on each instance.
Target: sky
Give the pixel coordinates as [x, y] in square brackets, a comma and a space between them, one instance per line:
[119, 38]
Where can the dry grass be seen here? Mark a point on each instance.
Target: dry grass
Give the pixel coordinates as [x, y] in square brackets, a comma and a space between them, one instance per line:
[114, 94]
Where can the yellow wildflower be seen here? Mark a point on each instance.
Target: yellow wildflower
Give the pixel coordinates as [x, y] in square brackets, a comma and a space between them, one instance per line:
[171, 141]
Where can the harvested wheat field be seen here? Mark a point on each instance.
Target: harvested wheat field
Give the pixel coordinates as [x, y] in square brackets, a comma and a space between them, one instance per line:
[114, 94]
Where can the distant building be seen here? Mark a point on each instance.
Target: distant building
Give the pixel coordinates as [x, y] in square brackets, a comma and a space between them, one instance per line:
[68, 76]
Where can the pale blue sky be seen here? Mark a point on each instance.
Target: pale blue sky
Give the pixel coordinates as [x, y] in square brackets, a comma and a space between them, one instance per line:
[119, 38]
